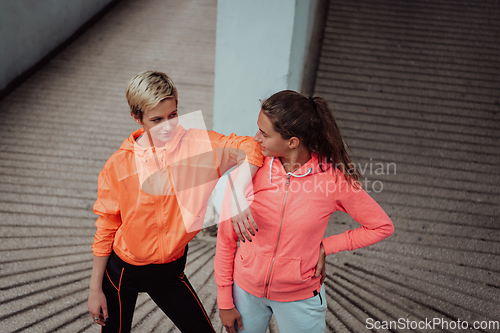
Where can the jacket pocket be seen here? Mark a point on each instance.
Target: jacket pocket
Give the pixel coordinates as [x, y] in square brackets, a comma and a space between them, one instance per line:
[245, 256]
[288, 276]
[251, 267]
[138, 234]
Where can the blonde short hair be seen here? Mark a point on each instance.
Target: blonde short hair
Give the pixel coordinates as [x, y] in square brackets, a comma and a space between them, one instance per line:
[146, 90]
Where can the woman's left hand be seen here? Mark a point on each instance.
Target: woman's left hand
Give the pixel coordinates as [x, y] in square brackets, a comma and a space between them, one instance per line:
[244, 225]
[230, 319]
[320, 266]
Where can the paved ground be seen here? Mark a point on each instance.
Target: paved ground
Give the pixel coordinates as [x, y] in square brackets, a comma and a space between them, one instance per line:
[416, 83]
[59, 128]
[416, 90]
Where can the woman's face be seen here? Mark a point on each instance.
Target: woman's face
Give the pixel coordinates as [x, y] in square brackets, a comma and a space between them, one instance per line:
[271, 142]
[161, 121]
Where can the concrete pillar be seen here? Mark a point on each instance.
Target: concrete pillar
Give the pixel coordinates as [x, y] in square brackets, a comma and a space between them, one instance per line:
[262, 47]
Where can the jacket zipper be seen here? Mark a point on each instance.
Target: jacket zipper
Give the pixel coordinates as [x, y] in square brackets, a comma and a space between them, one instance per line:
[159, 206]
[279, 234]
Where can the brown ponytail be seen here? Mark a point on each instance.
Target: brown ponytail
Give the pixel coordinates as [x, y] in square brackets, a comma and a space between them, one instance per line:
[311, 120]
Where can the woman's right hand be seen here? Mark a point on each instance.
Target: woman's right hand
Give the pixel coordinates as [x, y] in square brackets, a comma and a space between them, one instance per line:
[228, 319]
[98, 308]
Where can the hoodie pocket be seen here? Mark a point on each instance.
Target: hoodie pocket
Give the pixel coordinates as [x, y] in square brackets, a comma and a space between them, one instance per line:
[251, 267]
[245, 256]
[287, 275]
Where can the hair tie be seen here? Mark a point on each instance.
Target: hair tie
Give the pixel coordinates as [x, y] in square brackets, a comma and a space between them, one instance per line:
[313, 104]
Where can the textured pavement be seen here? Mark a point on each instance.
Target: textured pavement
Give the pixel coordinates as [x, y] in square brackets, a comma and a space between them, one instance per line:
[416, 92]
[59, 128]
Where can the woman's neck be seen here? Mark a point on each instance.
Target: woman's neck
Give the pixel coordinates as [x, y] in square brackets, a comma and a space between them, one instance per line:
[297, 158]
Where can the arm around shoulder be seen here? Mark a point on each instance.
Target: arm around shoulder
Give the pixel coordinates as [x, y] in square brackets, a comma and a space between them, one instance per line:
[237, 148]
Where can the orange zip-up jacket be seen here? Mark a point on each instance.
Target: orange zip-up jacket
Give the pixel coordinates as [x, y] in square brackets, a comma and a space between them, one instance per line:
[151, 206]
[292, 212]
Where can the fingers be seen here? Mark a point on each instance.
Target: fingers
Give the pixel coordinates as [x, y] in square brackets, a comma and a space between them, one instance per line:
[323, 274]
[99, 319]
[239, 322]
[230, 329]
[318, 269]
[230, 317]
[105, 312]
[244, 229]
[244, 225]
[101, 322]
[236, 228]
[249, 222]
[252, 222]
[320, 265]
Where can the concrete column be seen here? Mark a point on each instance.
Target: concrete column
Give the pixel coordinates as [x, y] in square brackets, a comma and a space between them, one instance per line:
[262, 47]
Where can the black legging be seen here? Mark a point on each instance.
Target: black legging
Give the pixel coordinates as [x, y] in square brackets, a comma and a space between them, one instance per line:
[166, 284]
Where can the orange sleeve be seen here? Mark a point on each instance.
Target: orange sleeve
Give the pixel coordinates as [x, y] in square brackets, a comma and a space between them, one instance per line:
[108, 208]
[234, 149]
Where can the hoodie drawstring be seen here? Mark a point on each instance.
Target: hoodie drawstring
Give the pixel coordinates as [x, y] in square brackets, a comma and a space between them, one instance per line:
[309, 170]
[270, 169]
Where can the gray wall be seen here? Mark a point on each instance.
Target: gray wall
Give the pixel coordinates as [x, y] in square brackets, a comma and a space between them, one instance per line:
[30, 29]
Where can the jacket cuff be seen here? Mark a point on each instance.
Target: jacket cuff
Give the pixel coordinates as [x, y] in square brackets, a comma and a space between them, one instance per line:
[258, 162]
[100, 252]
[225, 297]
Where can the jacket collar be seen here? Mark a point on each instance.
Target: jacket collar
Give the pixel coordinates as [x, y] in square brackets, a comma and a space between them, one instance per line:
[130, 143]
[310, 167]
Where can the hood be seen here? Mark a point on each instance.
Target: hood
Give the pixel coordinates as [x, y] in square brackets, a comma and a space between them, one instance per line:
[130, 144]
[309, 168]
[151, 166]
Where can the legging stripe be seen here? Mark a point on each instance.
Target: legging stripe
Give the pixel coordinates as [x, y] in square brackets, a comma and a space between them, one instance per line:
[120, 299]
[111, 280]
[202, 309]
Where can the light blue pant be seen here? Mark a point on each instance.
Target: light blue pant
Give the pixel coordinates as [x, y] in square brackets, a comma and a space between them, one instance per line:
[307, 315]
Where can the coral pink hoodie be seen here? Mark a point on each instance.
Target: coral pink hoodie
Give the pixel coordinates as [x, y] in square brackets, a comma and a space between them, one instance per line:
[292, 212]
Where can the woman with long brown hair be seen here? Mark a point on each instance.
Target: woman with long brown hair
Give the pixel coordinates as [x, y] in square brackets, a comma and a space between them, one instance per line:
[307, 175]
